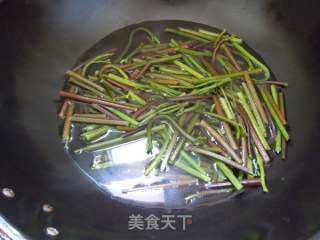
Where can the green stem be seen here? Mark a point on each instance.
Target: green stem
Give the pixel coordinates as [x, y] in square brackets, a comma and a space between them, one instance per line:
[188, 69]
[254, 109]
[115, 67]
[137, 98]
[86, 87]
[134, 52]
[96, 60]
[154, 110]
[113, 88]
[103, 165]
[156, 161]
[176, 126]
[253, 59]
[91, 110]
[172, 143]
[172, 70]
[198, 66]
[250, 167]
[124, 52]
[126, 81]
[215, 35]
[274, 115]
[251, 67]
[86, 81]
[208, 66]
[260, 164]
[226, 108]
[186, 60]
[192, 162]
[193, 52]
[253, 121]
[231, 75]
[278, 138]
[170, 76]
[156, 60]
[111, 142]
[181, 164]
[181, 142]
[229, 174]
[96, 133]
[162, 88]
[218, 157]
[223, 64]
[192, 108]
[124, 116]
[213, 149]
[191, 36]
[99, 121]
[172, 109]
[204, 90]
[90, 127]
[239, 127]
[199, 34]
[227, 104]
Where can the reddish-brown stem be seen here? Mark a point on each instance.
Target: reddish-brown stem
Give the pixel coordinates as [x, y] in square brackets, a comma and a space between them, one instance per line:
[218, 68]
[162, 51]
[218, 185]
[248, 81]
[231, 57]
[113, 101]
[145, 107]
[126, 128]
[282, 84]
[274, 105]
[110, 92]
[254, 136]
[202, 45]
[67, 123]
[105, 111]
[193, 43]
[221, 141]
[66, 103]
[255, 97]
[81, 108]
[143, 70]
[141, 94]
[85, 109]
[210, 143]
[248, 130]
[95, 100]
[134, 131]
[170, 50]
[214, 54]
[208, 66]
[134, 74]
[226, 126]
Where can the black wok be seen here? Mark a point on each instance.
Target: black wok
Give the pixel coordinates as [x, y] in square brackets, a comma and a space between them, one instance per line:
[40, 40]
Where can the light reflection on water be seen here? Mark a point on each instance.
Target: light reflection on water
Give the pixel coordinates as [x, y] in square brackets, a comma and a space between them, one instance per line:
[128, 173]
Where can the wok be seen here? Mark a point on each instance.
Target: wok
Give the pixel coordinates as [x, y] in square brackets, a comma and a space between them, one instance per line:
[40, 40]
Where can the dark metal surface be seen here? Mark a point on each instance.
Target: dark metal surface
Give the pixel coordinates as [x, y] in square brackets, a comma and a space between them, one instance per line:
[41, 39]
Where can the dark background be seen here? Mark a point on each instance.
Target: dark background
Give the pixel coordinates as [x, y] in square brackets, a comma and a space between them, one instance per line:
[41, 39]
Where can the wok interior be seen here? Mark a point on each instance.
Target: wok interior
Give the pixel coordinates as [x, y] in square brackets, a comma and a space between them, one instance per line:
[43, 39]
